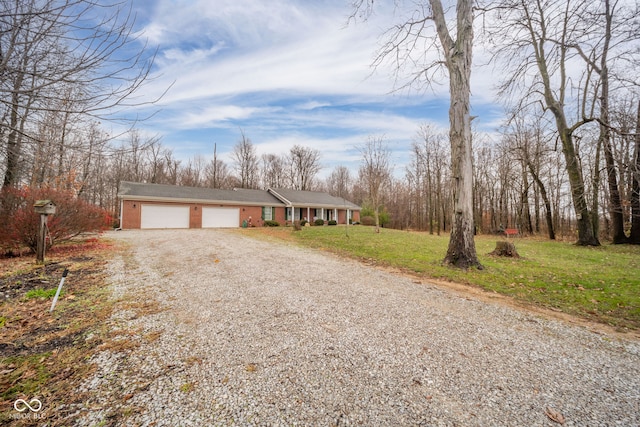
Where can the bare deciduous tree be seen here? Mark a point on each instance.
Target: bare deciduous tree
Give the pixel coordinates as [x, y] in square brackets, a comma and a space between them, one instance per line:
[192, 174]
[611, 26]
[537, 36]
[529, 147]
[246, 162]
[408, 45]
[155, 159]
[69, 57]
[217, 172]
[339, 182]
[425, 175]
[274, 171]
[375, 172]
[635, 187]
[304, 165]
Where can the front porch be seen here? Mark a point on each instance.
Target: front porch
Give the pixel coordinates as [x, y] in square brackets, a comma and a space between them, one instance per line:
[311, 214]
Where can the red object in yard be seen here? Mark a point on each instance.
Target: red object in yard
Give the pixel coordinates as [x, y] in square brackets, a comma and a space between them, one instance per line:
[511, 232]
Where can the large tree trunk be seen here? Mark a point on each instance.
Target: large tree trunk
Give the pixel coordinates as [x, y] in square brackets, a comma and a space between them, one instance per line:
[635, 187]
[14, 138]
[615, 203]
[595, 190]
[545, 199]
[13, 147]
[462, 250]
[586, 235]
[554, 101]
[525, 220]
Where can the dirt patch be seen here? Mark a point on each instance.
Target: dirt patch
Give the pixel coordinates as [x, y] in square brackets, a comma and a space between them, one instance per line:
[45, 354]
[14, 286]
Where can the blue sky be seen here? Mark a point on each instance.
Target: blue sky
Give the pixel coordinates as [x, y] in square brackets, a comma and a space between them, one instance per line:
[285, 72]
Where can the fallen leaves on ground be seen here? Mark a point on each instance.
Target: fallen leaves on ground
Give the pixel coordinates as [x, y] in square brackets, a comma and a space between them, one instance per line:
[555, 416]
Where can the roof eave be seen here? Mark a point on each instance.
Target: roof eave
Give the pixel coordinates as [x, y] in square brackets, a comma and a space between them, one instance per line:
[192, 200]
[279, 196]
[324, 206]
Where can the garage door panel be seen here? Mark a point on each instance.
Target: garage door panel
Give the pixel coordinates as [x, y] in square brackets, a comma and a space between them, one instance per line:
[220, 217]
[163, 216]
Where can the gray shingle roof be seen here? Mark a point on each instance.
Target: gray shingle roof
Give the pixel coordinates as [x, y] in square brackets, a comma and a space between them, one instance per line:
[312, 199]
[278, 197]
[162, 192]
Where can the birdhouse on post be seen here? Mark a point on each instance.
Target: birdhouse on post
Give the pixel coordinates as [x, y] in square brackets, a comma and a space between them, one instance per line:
[44, 208]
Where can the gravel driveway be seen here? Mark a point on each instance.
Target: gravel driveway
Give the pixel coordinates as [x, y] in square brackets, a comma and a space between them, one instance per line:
[261, 333]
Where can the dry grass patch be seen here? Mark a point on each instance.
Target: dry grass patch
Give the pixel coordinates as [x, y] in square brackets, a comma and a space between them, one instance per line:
[45, 355]
[153, 336]
[141, 308]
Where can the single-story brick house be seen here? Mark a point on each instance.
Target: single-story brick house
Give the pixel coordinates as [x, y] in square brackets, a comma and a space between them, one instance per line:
[169, 206]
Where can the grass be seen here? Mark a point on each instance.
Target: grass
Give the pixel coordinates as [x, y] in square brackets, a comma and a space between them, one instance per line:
[48, 355]
[41, 293]
[596, 283]
[31, 371]
[43, 354]
[187, 387]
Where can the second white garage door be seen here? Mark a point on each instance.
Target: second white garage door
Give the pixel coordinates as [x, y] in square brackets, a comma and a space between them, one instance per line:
[162, 216]
[220, 217]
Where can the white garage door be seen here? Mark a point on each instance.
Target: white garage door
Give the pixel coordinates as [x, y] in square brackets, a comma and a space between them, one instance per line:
[160, 216]
[220, 217]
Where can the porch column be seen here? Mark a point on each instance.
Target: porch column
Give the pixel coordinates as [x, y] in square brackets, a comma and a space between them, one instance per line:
[335, 214]
[308, 214]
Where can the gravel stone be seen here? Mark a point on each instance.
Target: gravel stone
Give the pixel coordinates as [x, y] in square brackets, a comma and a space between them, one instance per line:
[263, 333]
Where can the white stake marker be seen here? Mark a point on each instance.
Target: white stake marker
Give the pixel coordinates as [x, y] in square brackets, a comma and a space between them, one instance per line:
[55, 299]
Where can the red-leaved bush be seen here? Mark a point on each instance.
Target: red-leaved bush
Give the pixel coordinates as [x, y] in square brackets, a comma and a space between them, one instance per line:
[19, 223]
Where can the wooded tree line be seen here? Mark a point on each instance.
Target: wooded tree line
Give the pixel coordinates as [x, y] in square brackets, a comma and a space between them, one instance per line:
[566, 161]
[519, 179]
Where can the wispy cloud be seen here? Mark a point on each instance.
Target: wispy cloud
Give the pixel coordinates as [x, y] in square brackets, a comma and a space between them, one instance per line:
[285, 71]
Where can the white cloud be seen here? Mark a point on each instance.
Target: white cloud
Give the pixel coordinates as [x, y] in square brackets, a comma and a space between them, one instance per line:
[287, 72]
[312, 105]
[252, 46]
[210, 115]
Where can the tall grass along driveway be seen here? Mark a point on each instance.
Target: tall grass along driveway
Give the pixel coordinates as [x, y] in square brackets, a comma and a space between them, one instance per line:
[251, 332]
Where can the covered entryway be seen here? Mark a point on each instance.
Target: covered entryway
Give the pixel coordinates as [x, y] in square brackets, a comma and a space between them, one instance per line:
[163, 216]
[220, 217]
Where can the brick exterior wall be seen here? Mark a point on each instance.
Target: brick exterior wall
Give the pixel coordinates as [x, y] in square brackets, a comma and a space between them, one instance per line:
[131, 213]
[255, 212]
[280, 215]
[195, 216]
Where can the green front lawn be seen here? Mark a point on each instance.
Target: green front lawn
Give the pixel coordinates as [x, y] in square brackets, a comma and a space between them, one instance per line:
[601, 284]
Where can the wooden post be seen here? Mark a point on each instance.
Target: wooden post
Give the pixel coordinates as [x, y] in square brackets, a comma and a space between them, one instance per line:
[44, 208]
[42, 235]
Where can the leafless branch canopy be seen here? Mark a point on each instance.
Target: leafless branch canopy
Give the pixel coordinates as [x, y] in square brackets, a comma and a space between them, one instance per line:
[411, 47]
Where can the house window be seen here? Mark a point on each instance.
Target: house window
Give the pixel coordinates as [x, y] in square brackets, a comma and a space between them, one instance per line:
[268, 216]
[292, 214]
